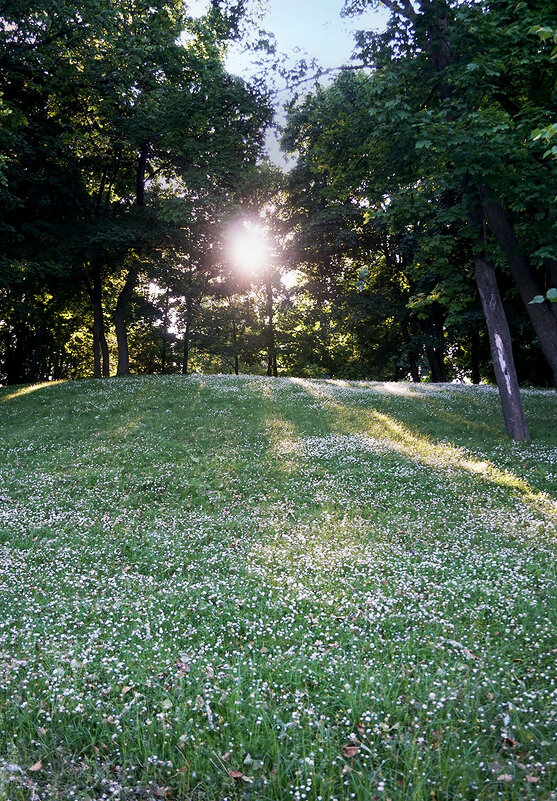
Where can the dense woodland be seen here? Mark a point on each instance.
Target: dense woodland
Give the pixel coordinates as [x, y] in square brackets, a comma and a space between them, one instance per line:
[419, 219]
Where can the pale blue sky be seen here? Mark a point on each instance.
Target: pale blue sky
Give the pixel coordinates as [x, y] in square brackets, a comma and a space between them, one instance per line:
[303, 29]
[314, 27]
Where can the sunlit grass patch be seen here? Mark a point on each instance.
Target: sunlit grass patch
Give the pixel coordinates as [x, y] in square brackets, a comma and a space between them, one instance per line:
[10, 394]
[245, 588]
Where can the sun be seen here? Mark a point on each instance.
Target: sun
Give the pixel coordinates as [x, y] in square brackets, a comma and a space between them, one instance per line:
[249, 248]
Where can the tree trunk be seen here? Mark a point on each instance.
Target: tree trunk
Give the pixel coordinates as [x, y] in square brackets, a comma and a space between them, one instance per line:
[124, 298]
[551, 263]
[37, 353]
[56, 371]
[125, 295]
[551, 270]
[15, 355]
[475, 356]
[437, 367]
[411, 353]
[164, 328]
[187, 340]
[542, 315]
[434, 350]
[498, 330]
[101, 362]
[97, 325]
[271, 344]
[104, 352]
[501, 350]
[96, 343]
[235, 346]
[140, 175]
[414, 369]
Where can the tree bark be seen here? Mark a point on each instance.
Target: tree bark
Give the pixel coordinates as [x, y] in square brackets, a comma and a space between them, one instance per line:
[15, 354]
[551, 263]
[235, 346]
[164, 328]
[551, 269]
[57, 370]
[271, 342]
[475, 356]
[435, 361]
[433, 328]
[122, 303]
[101, 366]
[96, 341]
[37, 353]
[501, 349]
[414, 369]
[187, 340]
[101, 363]
[104, 352]
[140, 175]
[125, 295]
[411, 353]
[542, 315]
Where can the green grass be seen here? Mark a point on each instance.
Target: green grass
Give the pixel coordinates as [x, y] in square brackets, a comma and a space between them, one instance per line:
[329, 590]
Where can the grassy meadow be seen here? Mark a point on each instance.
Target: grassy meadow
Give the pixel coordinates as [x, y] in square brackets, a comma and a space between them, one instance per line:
[234, 589]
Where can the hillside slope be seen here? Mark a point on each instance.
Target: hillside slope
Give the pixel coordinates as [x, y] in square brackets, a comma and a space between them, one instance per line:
[244, 588]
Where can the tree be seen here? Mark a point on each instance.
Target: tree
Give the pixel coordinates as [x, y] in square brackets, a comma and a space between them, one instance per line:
[362, 204]
[491, 83]
[134, 108]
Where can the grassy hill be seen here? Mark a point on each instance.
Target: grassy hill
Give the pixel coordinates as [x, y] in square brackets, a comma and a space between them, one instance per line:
[244, 588]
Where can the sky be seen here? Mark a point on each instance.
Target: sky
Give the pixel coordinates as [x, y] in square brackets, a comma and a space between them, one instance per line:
[304, 29]
[314, 27]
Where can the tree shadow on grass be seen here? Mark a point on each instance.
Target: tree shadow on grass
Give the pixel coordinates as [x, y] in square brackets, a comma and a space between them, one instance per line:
[385, 431]
[432, 407]
[227, 439]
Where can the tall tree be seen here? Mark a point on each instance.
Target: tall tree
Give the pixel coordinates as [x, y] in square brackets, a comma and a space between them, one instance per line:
[487, 80]
[132, 104]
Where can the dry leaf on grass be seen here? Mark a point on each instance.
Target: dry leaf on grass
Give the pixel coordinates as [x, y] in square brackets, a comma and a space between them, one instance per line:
[235, 774]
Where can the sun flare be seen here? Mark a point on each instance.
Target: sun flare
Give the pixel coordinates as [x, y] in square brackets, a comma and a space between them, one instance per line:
[249, 248]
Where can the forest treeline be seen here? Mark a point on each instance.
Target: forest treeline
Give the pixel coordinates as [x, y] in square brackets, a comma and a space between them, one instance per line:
[419, 220]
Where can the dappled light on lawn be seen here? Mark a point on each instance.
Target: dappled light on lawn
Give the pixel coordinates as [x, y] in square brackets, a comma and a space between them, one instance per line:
[437, 454]
[386, 432]
[387, 387]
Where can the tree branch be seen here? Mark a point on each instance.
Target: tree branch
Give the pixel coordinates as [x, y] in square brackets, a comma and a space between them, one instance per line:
[320, 73]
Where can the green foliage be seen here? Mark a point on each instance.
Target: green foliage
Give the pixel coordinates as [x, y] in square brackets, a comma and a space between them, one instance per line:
[126, 148]
[394, 148]
[551, 295]
[546, 34]
[546, 135]
[126, 131]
